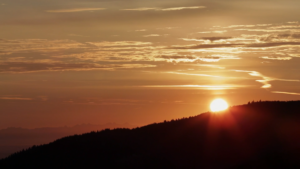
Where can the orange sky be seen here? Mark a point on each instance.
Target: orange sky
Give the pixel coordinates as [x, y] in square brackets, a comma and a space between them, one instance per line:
[140, 61]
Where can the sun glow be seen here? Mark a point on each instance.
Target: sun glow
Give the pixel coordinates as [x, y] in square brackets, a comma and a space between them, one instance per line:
[218, 105]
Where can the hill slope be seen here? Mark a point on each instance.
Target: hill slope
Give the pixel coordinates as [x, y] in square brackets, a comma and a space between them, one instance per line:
[16, 139]
[257, 135]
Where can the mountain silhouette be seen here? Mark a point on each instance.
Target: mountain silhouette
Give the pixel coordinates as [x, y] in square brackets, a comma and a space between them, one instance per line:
[15, 139]
[257, 135]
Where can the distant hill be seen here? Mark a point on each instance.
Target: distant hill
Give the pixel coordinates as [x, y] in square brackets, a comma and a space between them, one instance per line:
[257, 135]
[16, 139]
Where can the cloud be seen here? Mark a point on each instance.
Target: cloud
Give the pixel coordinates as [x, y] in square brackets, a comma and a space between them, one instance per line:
[97, 101]
[141, 30]
[38, 45]
[237, 45]
[210, 59]
[240, 26]
[177, 57]
[263, 25]
[167, 28]
[165, 9]
[205, 46]
[182, 8]
[211, 66]
[74, 10]
[294, 37]
[285, 93]
[26, 55]
[293, 22]
[119, 43]
[204, 87]
[294, 55]
[194, 58]
[140, 9]
[214, 38]
[205, 32]
[261, 45]
[28, 67]
[193, 74]
[205, 39]
[70, 52]
[271, 28]
[265, 80]
[16, 98]
[77, 35]
[285, 27]
[276, 58]
[218, 31]
[152, 35]
[261, 30]
[60, 49]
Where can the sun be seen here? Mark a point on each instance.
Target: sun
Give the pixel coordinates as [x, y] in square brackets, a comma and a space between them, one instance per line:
[218, 105]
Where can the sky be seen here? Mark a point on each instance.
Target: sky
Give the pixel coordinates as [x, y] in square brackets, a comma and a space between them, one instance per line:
[70, 62]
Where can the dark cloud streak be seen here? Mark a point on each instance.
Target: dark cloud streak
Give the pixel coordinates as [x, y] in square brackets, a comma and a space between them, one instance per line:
[214, 38]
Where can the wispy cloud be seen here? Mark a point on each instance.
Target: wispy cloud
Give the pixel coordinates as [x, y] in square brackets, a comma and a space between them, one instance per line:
[119, 43]
[286, 93]
[38, 45]
[206, 39]
[240, 26]
[29, 67]
[266, 80]
[293, 22]
[140, 9]
[211, 66]
[66, 52]
[194, 58]
[141, 30]
[74, 10]
[182, 8]
[215, 38]
[292, 37]
[97, 101]
[165, 9]
[194, 74]
[167, 28]
[151, 35]
[29, 55]
[276, 58]
[217, 31]
[204, 87]
[281, 42]
[236, 45]
[16, 98]
[76, 35]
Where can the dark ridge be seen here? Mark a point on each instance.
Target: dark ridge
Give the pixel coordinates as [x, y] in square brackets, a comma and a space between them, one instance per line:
[257, 135]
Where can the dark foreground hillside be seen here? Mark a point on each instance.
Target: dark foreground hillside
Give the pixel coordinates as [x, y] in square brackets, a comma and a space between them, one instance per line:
[258, 135]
